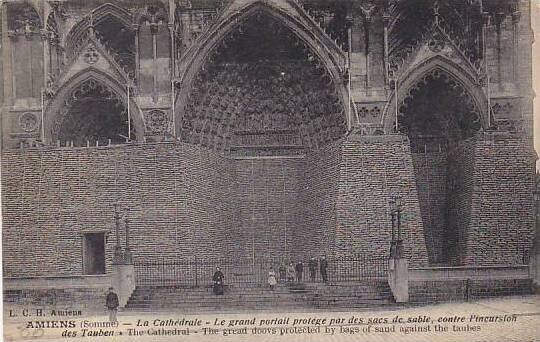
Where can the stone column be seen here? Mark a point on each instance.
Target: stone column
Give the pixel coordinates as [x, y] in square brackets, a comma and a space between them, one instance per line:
[6, 58]
[137, 54]
[7, 71]
[367, 12]
[386, 23]
[46, 56]
[516, 16]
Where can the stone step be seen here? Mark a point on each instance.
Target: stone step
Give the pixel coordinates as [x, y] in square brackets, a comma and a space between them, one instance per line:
[273, 293]
[257, 306]
[261, 300]
[261, 297]
[287, 296]
[290, 286]
[264, 297]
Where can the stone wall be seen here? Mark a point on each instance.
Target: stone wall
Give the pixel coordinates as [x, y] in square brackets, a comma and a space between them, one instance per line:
[180, 200]
[287, 205]
[430, 169]
[319, 190]
[268, 203]
[373, 169]
[187, 201]
[466, 290]
[460, 183]
[502, 208]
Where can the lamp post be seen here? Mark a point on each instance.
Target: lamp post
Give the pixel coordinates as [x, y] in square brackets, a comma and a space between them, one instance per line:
[392, 204]
[117, 258]
[396, 245]
[399, 241]
[127, 252]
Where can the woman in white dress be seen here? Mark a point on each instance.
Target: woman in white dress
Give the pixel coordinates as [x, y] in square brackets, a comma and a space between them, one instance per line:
[272, 281]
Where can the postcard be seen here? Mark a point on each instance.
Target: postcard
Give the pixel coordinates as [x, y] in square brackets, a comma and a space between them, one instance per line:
[242, 170]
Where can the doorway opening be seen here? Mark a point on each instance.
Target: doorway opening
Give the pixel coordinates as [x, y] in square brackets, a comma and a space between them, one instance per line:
[94, 253]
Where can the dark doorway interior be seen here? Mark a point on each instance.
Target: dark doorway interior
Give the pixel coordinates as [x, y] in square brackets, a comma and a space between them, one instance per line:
[94, 253]
[441, 118]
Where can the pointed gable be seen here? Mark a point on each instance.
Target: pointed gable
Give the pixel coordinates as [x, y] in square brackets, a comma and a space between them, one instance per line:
[437, 42]
[94, 55]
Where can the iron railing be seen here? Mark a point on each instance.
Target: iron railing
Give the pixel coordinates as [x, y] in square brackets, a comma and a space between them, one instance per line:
[198, 272]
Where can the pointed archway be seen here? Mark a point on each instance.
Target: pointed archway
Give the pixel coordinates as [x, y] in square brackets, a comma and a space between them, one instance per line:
[441, 119]
[92, 106]
[262, 84]
[468, 84]
[307, 33]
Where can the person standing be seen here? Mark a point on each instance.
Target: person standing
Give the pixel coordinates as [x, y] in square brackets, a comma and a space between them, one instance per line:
[272, 278]
[290, 272]
[283, 273]
[312, 265]
[218, 282]
[323, 265]
[112, 304]
[299, 271]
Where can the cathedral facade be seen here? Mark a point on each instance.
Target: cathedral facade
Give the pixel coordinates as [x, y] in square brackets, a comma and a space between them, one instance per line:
[264, 128]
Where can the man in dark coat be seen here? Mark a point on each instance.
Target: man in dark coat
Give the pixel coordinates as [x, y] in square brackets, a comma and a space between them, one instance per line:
[218, 281]
[312, 265]
[282, 273]
[112, 304]
[299, 271]
[323, 265]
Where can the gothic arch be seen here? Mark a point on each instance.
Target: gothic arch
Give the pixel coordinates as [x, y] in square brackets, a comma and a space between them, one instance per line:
[198, 54]
[464, 79]
[60, 104]
[76, 36]
[23, 17]
[153, 13]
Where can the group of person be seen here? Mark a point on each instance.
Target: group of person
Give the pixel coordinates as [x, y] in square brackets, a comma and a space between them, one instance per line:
[287, 274]
[295, 272]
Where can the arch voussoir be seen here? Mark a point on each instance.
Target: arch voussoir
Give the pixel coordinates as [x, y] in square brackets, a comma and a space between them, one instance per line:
[59, 105]
[436, 67]
[198, 54]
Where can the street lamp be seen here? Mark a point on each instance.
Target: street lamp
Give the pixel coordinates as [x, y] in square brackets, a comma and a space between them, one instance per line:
[117, 258]
[392, 204]
[396, 246]
[127, 252]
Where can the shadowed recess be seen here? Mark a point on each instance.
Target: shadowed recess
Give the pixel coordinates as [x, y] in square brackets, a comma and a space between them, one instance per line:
[95, 114]
[440, 119]
[263, 87]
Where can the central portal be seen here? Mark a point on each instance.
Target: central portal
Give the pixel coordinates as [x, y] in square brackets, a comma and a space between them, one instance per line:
[265, 99]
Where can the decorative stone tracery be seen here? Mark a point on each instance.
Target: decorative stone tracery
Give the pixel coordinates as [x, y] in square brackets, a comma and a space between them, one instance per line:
[23, 20]
[263, 80]
[112, 26]
[28, 122]
[332, 16]
[91, 55]
[416, 118]
[157, 121]
[91, 107]
[454, 23]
